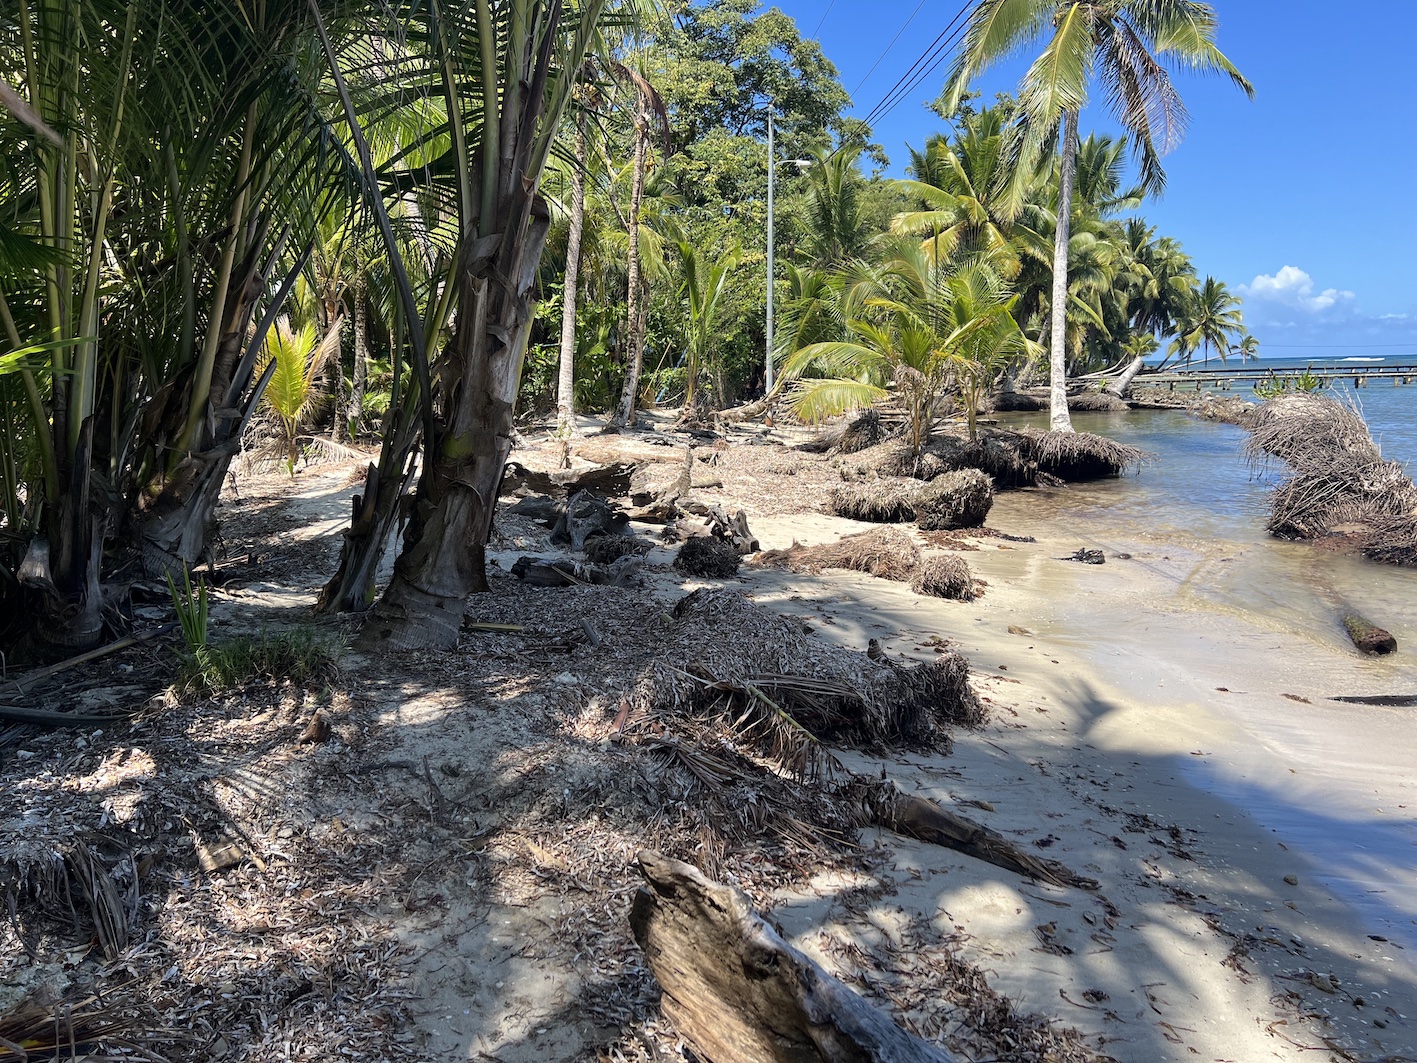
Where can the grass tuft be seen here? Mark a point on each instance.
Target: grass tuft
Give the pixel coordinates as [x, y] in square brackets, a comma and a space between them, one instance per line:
[298, 656]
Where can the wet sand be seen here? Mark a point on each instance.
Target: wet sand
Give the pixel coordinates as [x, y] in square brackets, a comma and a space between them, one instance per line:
[1255, 847]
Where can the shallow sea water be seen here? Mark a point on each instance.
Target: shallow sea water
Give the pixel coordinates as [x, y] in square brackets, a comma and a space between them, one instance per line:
[1234, 620]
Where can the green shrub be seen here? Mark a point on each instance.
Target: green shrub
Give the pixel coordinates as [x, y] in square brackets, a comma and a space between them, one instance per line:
[298, 656]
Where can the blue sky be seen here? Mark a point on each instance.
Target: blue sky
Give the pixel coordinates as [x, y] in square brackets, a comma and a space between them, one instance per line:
[1300, 200]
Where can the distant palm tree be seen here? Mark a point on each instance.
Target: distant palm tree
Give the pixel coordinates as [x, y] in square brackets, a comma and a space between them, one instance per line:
[1123, 41]
[1248, 349]
[1210, 319]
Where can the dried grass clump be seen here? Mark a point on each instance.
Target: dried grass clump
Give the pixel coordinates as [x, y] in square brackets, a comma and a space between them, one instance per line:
[944, 576]
[884, 552]
[893, 458]
[959, 499]
[888, 500]
[707, 557]
[732, 657]
[607, 549]
[1096, 402]
[1077, 456]
[1339, 480]
[852, 434]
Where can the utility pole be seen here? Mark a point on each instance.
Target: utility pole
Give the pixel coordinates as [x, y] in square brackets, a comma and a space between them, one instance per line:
[770, 243]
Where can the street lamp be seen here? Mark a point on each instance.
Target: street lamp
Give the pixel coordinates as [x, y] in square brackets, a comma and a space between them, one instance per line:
[801, 164]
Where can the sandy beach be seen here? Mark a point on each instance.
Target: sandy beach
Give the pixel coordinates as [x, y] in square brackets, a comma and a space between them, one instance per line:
[1231, 944]
[450, 872]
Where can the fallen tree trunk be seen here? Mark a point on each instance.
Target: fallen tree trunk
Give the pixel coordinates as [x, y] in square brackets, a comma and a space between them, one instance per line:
[1367, 636]
[740, 993]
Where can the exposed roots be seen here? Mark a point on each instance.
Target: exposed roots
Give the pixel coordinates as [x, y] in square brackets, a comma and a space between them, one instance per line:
[955, 500]
[959, 499]
[705, 556]
[1077, 456]
[884, 552]
[889, 500]
[1339, 480]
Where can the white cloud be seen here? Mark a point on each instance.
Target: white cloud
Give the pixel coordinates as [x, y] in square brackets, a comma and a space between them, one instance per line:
[1292, 288]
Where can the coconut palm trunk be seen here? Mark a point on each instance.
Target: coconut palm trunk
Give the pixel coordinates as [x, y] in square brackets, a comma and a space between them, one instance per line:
[1123, 383]
[565, 388]
[361, 355]
[444, 547]
[634, 361]
[1058, 418]
[523, 92]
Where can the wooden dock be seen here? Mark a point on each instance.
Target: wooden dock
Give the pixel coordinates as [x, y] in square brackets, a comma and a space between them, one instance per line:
[1224, 379]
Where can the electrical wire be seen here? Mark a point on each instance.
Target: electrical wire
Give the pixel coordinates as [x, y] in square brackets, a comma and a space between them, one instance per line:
[883, 55]
[934, 55]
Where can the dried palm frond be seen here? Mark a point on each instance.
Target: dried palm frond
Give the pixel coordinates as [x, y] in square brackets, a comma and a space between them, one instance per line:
[59, 1030]
[884, 552]
[944, 576]
[745, 801]
[754, 716]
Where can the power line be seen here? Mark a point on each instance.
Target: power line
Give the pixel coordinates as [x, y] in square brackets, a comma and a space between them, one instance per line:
[825, 13]
[935, 54]
[882, 56]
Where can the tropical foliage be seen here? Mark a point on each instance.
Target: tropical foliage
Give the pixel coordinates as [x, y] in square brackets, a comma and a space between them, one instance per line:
[405, 222]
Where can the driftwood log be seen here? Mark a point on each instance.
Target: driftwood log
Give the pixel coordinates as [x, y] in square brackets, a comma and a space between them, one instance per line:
[1367, 636]
[539, 572]
[1399, 701]
[739, 993]
[610, 480]
[887, 806]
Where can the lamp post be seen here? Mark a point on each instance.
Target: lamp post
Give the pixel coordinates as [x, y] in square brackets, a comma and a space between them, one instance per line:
[768, 351]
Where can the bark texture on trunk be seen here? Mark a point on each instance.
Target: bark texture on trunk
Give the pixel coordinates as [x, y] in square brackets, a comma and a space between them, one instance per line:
[339, 430]
[566, 384]
[361, 356]
[739, 993]
[1059, 420]
[63, 566]
[477, 378]
[634, 323]
[173, 529]
[1123, 383]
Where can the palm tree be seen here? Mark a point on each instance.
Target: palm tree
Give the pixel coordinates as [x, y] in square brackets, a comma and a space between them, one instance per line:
[916, 330]
[566, 377]
[1212, 316]
[505, 75]
[1248, 349]
[705, 279]
[833, 233]
[156, 196]
[1124, 42]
